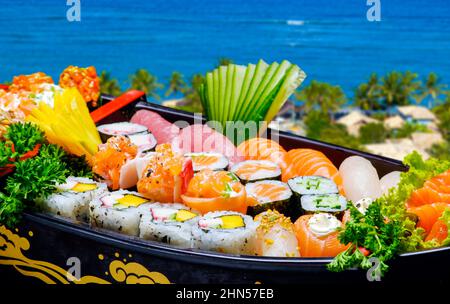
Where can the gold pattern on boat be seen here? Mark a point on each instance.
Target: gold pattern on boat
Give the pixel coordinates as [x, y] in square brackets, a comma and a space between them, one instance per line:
[13, 245]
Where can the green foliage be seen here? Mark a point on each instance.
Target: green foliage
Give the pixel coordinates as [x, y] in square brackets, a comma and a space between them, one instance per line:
[321, 96]
[75, 165]
[367, 95]
[440, 151]
[431, 89]
[24, 136]
[372, 232]
[176, 84]
[397, 88]
[191, 95]
[372, 133]
[319, 126]
[109, 85]
[442, 112]
[408, 129]
[144, 81]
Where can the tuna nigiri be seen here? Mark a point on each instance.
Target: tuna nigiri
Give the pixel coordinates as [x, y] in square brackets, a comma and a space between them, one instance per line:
[311, 162]
[163, 130]
[429, 214]
[435, 190]
[317, 235]
[264, 149]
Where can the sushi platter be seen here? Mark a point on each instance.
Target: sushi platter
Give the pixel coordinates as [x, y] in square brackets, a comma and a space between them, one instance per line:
[170, 203]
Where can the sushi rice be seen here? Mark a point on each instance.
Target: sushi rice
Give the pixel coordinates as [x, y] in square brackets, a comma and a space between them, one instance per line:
[168, 223]
[72, 198]
[120, 211]
[226, 232]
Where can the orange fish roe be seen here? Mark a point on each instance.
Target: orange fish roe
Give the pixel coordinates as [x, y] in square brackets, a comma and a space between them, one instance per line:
[209, 184]
[84, 79]
[31, 83]
[110, 158]
[162, 179]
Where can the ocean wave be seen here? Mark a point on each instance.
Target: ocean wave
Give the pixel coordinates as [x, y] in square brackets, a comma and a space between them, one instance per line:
[295, 22]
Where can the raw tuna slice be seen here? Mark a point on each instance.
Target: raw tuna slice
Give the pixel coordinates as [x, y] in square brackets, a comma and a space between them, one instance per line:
[201, 138]
[163, 130]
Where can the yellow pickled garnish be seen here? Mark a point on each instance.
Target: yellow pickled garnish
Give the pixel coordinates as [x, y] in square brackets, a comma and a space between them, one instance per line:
[81, 187]
[130, 200]
[184, 215]
[232, 221]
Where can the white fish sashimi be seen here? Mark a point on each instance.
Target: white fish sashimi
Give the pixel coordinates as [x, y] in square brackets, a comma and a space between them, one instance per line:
[360, 179]
[389, 181]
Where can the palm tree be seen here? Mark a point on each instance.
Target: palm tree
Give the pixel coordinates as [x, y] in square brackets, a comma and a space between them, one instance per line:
[224, 61]
[176, 84]
[323, 96]
[367, 95]
[190, 93]
[146, 82]
[108, 85]
[397, 88]
[432, 89]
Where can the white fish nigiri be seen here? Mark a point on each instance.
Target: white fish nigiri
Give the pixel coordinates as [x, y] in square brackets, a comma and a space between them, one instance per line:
[389, 181]
[360, 179]
[275, 235]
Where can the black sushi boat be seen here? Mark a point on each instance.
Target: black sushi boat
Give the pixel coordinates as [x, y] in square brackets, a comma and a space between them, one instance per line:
[54, 250]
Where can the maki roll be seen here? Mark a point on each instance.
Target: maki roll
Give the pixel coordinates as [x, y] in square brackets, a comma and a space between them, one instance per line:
[309, 186]
[120, 128]
[168, 223]
[119, 211]
[208, 160]
[268, 194]
[226, 232]
[275, 235]
[333, 203]
[138, 134]
[72, 198]
[256, 170]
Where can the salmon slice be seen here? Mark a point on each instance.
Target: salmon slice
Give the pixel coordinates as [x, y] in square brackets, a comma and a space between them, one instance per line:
[311, 245]
[270, 191]
[439, 232]
[429, 214]
[435, 190]
[205, 160]
[264, 149]
[250, 168]
[305, 162]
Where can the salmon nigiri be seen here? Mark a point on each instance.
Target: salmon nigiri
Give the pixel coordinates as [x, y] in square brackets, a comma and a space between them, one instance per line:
[429, 214]
[311, 162]
[317, 235]
[264, 149]
[434, 190]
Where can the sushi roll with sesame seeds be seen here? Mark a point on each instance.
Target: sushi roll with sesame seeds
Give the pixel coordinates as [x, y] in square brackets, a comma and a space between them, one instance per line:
[168, 223]
[72, 198]
[226, 232]
[275, 235]
[119, 211]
